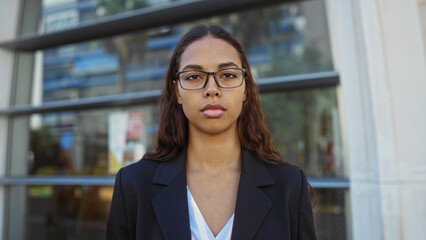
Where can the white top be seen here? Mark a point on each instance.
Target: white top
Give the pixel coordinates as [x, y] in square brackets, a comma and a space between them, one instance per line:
[199, 228]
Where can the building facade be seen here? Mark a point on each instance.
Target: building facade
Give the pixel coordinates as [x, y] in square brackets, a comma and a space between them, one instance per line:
[341, 82]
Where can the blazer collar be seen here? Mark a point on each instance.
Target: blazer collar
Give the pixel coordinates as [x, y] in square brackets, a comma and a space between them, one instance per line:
[168, 170]
[251, 165]
[252, 203]
[171, 204]
[255, 169]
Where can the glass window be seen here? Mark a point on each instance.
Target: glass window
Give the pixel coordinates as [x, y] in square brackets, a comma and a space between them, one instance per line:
[59, 15]
[59, 212]
[304, 125]
[305, 129]
[330, 214]
[90, 142]
[281, 40]
[80, 212]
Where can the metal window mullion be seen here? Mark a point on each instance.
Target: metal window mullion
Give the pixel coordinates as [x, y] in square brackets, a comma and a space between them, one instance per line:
[126, 99]
[298, 82]
[329, 183]
[58, 180]
[137, 20]
[336, 183]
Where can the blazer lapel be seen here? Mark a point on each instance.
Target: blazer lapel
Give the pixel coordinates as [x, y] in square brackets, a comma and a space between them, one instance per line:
[171, 204]
[252, 203]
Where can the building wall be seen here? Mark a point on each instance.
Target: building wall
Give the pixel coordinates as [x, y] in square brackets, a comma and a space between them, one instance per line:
[380, 54]
[422, 13]
[379, 51]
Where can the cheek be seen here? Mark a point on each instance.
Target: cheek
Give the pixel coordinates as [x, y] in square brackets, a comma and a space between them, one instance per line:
[238, 106]
[188, 106]
[185, 109]
[243, 103]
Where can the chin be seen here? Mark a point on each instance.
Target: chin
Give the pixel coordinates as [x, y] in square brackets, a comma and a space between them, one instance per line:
[214, 132]
[220, 130]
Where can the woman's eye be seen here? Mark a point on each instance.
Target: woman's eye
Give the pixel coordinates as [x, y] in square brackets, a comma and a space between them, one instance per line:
[192, 77]
[228, 75]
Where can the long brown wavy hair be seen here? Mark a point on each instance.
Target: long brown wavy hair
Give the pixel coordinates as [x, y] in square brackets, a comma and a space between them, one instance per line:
[173, 130]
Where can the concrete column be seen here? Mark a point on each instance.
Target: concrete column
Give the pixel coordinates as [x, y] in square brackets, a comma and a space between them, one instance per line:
[9, 13]
[378, 50]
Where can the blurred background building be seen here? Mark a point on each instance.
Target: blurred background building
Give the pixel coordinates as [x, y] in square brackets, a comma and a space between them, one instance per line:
[343, 86]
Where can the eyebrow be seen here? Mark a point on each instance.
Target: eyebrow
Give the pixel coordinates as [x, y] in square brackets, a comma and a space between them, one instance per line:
[198, 67]
[192, 66]
[228, 64]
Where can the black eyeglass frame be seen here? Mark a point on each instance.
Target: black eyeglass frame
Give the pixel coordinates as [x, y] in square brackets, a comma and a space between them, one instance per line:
[207, 78]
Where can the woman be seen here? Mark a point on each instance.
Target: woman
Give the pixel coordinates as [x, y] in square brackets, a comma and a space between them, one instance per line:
[214, 174]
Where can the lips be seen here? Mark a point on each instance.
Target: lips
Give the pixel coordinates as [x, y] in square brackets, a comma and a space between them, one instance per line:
[213, 110]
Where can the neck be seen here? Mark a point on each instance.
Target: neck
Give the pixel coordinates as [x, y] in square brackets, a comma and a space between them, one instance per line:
[214, 153]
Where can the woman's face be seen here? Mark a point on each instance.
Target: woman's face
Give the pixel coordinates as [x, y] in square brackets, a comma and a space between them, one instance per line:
[211, 110]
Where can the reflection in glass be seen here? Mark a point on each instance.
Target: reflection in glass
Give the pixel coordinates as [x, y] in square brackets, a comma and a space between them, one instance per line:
[304, 125]
[62, 212]
[280, 40]
[90, 142]
[80, 212]
[59, 15]
[305, 129]
[330, 214]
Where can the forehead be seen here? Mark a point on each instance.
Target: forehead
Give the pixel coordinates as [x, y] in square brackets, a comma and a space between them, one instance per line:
[209, 52]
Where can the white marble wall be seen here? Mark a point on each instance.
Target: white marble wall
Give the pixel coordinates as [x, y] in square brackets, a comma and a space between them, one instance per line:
[422, 12]
[378, 50]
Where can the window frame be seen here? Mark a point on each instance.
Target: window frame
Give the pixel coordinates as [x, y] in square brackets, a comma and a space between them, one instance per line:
[126, 22]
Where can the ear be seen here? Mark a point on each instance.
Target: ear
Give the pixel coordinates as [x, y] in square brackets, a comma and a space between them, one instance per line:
[245, 94]
[245, 89]
[177, 92]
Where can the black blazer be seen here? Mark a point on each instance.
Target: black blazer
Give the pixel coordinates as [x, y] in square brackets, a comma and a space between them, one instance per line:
[150, 202]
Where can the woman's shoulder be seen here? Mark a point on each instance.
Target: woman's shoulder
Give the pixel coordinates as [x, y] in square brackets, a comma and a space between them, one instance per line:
[140, 171]
[282, 173]
[286, 174]
[135, 182]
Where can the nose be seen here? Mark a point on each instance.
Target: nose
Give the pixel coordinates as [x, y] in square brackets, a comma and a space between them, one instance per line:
[211, 88]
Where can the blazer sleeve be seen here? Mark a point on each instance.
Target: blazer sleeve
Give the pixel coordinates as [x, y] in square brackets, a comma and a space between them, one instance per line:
[305, 229]
[117, 224]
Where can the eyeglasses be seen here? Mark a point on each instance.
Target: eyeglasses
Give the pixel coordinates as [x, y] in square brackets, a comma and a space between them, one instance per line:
[224, 78]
